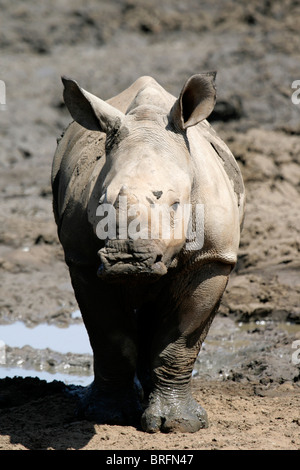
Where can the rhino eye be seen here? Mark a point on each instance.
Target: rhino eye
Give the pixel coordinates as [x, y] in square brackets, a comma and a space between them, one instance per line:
[175, 205]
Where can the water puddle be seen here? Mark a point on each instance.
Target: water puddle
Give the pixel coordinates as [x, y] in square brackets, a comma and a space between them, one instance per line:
[56, 353]
[51, 365]
[72, 339]
[68, 379]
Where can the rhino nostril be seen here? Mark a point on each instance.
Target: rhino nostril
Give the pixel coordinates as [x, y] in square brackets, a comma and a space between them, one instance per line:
[158, 258]
[157, 194]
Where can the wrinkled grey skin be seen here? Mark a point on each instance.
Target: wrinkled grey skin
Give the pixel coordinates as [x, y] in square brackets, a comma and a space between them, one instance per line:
[147, 303]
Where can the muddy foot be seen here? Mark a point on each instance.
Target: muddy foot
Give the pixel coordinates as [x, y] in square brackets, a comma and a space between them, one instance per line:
[174, 415]
[121, 408]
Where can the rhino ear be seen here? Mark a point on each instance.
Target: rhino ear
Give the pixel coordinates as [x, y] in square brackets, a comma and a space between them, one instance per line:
[196, 101]
[88, 110]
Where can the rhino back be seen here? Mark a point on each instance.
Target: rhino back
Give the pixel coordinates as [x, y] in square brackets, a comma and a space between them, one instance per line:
[144, 91]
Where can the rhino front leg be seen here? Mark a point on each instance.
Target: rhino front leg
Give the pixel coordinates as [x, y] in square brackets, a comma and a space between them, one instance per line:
[112, 398]
[183, 327]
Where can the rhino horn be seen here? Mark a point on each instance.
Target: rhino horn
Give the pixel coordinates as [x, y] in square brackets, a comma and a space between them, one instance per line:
[196, 101]
[88, 110]
[130, 197]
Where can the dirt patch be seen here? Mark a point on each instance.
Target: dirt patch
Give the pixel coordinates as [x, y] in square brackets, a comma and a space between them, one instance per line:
[240, 417]
[251, 388]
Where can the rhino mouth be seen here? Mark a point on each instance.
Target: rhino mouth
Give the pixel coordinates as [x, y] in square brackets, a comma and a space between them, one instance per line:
[131, 259]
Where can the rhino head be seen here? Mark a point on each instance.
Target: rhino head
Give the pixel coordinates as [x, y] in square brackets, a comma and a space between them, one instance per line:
[145, 187]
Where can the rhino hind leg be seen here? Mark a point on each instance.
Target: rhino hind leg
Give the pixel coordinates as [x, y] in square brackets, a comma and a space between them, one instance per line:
[175, 347]
[113, 397]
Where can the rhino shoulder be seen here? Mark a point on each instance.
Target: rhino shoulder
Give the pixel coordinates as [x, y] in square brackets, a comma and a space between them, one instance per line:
[228, 161]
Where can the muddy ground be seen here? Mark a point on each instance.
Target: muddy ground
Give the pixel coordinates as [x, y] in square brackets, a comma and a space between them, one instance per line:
[251, 393]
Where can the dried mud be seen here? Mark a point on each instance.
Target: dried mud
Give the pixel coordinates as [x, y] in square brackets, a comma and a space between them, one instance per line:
[251, 392]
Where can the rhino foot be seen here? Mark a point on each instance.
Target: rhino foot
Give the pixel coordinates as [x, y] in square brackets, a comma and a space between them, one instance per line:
[174, 416]
[116, 408]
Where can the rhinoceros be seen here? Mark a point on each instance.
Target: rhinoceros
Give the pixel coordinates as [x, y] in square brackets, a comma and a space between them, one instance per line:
[147, 297]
